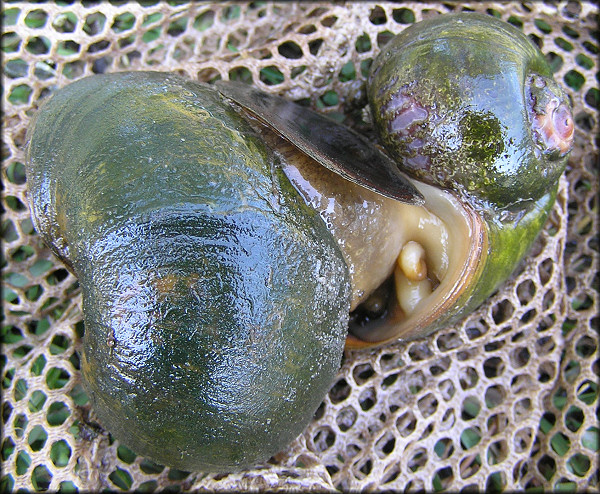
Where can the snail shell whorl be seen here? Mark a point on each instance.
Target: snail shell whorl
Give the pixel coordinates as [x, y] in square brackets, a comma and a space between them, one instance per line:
[467, 102]
[215, 302]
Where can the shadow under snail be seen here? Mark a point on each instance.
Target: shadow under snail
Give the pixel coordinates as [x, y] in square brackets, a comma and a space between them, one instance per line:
[225, 240]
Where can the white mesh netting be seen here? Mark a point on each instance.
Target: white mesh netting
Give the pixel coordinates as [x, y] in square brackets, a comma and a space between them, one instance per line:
[508, 399]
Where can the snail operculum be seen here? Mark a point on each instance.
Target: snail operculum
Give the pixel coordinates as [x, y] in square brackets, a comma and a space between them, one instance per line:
[335, 147]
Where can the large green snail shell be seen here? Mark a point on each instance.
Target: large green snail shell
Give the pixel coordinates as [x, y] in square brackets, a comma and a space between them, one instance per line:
[219, 264]
[215, 303]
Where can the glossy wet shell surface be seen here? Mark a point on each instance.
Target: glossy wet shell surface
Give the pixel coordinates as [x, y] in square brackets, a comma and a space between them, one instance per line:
[215, 302]
[466, 103]
[450, 98]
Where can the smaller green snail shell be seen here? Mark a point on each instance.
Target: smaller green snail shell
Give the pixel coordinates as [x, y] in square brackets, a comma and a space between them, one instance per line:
[215, 301]
[465, 102]
[462, 101]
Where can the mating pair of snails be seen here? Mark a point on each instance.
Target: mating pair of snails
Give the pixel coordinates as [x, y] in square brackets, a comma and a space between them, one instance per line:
[226, 240]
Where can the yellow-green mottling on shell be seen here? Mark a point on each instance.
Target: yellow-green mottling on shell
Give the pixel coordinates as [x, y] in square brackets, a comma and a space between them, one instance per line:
[466, 102]
[215, 303]
[462, 101]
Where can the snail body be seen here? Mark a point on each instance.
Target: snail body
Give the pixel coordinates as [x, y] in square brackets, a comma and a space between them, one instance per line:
[467, 104]
[223, 254]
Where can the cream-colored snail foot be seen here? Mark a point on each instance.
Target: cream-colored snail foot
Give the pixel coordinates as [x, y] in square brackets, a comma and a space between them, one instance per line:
[412, 261]
[410, 277]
